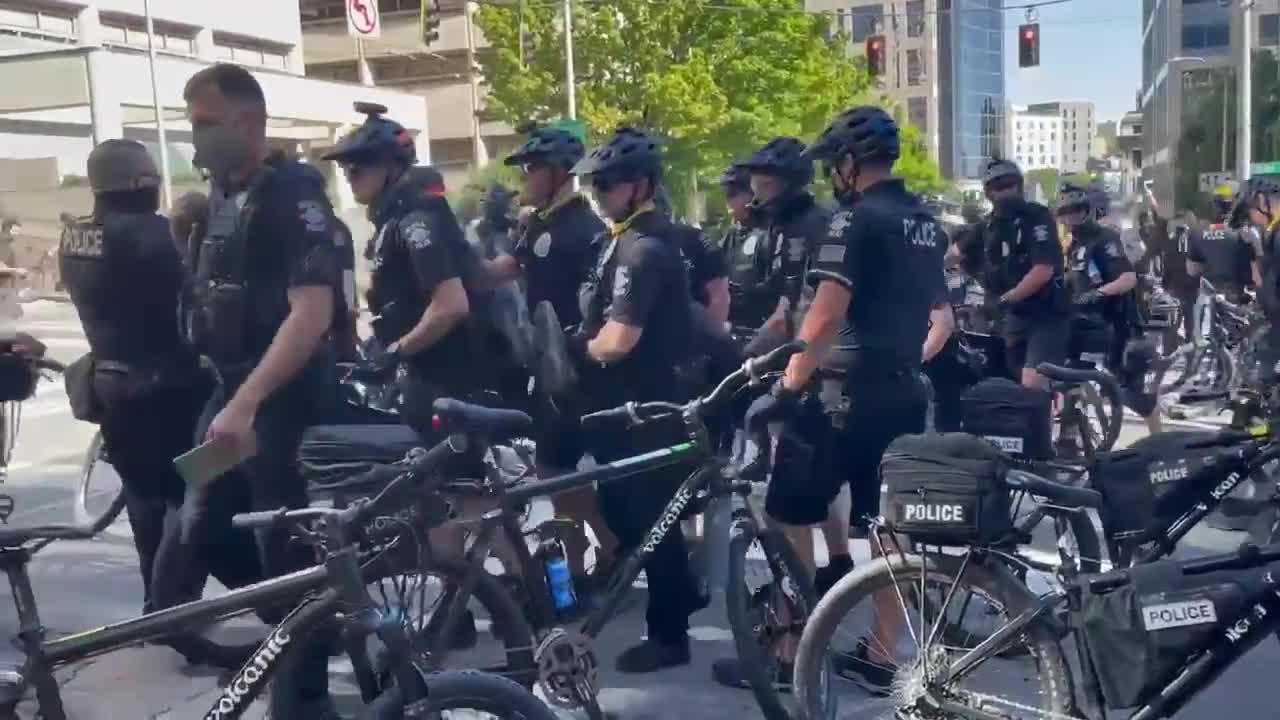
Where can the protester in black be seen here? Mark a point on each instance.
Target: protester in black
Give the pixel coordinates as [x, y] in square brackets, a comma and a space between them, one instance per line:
[879, 272]
[1016, 255]
[1169, 251]
[124, 275]
[637, 329]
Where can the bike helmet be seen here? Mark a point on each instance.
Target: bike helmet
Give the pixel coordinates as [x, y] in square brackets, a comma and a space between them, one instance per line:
[121, 165]
[1224, 197]
[1261, 185]
[1072, 197]
[866, 132]
[735, 179]
[376, 141]
[551, 146]
[783, 157]
[998, 168]
[629, 155]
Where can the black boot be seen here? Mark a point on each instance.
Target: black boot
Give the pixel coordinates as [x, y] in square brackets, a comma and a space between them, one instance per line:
[653, 655]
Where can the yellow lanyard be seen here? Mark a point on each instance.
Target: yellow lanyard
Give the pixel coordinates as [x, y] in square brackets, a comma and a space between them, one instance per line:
[616, 229]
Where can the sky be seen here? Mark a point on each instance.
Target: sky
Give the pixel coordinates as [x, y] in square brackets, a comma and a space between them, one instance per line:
[1089, 50]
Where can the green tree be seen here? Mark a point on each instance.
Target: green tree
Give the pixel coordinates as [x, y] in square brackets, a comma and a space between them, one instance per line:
[714, 83]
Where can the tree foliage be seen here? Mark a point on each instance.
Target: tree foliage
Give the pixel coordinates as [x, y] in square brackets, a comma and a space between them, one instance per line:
[714, 83]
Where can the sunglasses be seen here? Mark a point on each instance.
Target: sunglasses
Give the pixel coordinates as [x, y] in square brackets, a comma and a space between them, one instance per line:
[603, 184]
[353, 171]
[1070, 210]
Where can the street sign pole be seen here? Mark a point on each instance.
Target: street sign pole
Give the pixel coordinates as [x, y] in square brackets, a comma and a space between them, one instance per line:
[1244, 135]
[166, 186]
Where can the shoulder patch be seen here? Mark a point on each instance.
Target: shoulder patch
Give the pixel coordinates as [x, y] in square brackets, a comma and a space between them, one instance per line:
[1042, 233]
[621, 282]
[418, 236]
[795, 249]
[839, 222]
[542, 246]
[1113, 249]
[311, 215]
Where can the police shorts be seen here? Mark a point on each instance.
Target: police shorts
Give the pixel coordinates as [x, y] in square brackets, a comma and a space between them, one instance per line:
[1044, 341]
[811, 466]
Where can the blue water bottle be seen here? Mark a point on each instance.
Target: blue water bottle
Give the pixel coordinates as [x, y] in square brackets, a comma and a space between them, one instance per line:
[559, 579]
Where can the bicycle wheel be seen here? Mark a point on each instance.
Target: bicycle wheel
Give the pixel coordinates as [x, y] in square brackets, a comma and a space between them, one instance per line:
[468, 695]
[415, 597]
[904, 680]
[99, 484]
[765, 612]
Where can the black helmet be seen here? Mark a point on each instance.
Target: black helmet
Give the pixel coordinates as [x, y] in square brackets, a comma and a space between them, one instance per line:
[1072, 197]
[1259, 184]
[377, 140]
[735, 178]
[865, 132]
[783, 157]
[998, 168]
[1099, 199]
[553, 146]
[628, 155]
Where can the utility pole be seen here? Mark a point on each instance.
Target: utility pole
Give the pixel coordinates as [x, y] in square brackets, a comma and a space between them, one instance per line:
[478, 154]
[570, 79]
[166, 186]
[362, 64]
[1244, 135]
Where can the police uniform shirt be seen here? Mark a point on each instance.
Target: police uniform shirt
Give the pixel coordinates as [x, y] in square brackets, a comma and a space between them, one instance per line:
[641, 282]
[704, 260]
[1098, 258]
[415, 254]
[125, 277]
[1225, 255]
[743, 249]
[557, 251]
[887, 250]
[1031, 238]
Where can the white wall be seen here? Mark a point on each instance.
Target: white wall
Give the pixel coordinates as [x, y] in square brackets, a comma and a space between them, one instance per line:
[273, 20]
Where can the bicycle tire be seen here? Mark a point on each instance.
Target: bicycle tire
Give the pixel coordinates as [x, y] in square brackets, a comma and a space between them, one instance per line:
[93, 455]
[467, 690]
[863, 582]
[757, 667]
[509, 626]
[1114, 418]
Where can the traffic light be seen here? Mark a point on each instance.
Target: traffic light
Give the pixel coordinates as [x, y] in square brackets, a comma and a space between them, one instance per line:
[1029, 45]
[429, 20]
[875, 54]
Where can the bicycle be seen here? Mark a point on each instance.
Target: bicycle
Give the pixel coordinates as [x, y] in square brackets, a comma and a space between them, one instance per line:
[332, 601]
[566, 663]
[22, 366]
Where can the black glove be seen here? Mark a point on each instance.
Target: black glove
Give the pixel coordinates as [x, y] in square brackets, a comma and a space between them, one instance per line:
[383, 361]
[1088, 297]
[775, 406]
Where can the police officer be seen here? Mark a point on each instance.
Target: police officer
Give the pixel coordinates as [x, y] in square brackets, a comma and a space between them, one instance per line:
[704, 260]
[1260, 202]
[793, 226]
[421, 271]
[267, 296]
[637, 328]
[1102, 282]
[125, 276]
[741, 243]
[1016, 255]
[879, 271]
[555, 249]
[1221, 254]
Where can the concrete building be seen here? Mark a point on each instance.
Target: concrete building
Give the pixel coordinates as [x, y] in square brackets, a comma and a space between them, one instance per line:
[400, 60]
[1033, 139]
[76, 73]
[944, 67]
[1188, 46]
[1078, 130]
[1129, 146]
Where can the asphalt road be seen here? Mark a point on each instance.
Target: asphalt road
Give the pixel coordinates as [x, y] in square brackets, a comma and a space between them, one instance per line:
[86, 584]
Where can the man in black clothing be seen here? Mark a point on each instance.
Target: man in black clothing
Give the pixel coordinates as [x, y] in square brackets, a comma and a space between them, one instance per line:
[637, 329]
[1223, 255]
[421, 272]
[1168, 251]
[1016, 254]
[267, 296]
[554, 251]
[743, 245]
[704, 260]
[879, 273]
[125, 276]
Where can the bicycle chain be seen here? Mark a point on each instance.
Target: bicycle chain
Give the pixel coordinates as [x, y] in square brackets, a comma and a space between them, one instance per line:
[1019, 706]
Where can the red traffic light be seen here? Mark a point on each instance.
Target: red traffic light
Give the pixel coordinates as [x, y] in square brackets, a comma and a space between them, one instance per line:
[1029, 45]
[1029, 33]
[875, 54]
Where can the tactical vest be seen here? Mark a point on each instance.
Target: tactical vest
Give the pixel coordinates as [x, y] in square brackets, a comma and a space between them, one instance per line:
[218, 323]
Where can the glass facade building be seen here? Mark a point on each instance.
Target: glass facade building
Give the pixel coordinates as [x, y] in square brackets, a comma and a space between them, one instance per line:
[971, 47]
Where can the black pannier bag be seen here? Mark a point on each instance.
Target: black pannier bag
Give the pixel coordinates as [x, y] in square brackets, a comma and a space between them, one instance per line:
[333, 457]
[1142, 625]
[1149, 480]
[946, 489]
[1014, 418]
[18, 377]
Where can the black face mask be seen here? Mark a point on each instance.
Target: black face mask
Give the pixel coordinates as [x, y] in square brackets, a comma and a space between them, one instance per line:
[1006, 206]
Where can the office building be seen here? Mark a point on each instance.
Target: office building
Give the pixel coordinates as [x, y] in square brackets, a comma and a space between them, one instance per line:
[944, 68]
[77, 73]
[1032, 138]
[400, 60]
[1079, 127]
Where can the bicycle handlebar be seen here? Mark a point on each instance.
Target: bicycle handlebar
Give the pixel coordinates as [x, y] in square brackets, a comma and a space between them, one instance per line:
[417, 464]
[752, 372]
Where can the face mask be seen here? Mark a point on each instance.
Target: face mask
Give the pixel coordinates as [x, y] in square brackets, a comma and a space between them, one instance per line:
[1008, 204]
[219, 149]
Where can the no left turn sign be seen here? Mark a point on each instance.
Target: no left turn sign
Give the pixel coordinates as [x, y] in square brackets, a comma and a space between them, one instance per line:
[362, 19]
